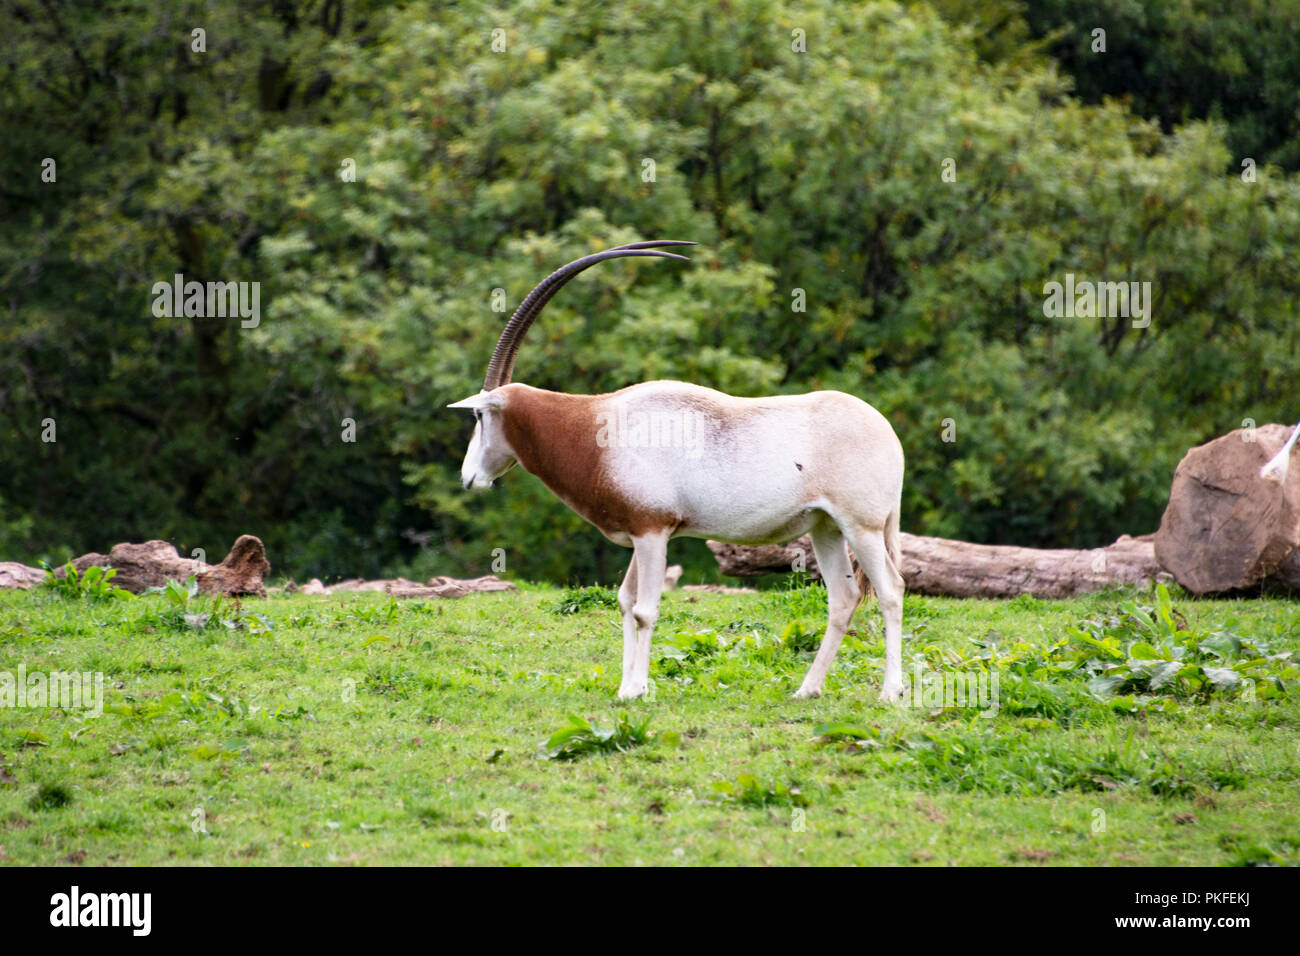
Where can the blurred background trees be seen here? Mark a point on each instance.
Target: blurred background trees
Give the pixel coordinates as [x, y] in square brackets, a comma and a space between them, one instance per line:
[810, 178]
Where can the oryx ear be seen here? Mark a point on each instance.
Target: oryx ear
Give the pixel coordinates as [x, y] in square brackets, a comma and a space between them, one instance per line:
[491, 399]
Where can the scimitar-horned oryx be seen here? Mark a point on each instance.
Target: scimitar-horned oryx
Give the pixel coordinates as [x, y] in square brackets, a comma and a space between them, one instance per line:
[661, 460]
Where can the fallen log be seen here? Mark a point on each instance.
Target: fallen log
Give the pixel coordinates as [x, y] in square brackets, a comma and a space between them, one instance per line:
[438, 587]
[15, 575]
[1227, 528]
[961, 569]
[716, 589]
[445, 587]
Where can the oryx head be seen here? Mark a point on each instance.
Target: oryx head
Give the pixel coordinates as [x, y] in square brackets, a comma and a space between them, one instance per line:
[489, 455]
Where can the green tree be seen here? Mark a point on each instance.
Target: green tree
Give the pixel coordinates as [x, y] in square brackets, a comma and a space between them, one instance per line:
[910, 182]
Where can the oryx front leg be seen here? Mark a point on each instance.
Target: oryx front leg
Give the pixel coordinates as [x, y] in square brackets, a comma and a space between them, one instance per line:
[651, 560]
[841, 598]
[626, 600]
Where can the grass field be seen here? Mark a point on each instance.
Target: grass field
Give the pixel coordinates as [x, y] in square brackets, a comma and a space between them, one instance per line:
[355, 730]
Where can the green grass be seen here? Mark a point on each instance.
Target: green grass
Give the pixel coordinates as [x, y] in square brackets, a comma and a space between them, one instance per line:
[357, 730]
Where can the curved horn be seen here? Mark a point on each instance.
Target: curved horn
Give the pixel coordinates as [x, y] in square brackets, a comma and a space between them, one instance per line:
[502, 364]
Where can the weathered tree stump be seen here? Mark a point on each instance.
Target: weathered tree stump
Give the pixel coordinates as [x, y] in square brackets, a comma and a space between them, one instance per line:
[152, 563]
[961, 569]
[140, 566]
[1225, 527]
[241, 573]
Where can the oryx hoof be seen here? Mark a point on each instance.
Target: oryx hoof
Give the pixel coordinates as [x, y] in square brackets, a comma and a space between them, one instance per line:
[892, 692]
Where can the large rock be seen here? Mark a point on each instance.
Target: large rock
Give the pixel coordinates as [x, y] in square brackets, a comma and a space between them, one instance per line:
[1287, 575]
[1225, 527]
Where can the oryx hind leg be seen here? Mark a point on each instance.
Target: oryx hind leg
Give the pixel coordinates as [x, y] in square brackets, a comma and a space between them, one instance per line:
[874, 558]
[842, 597]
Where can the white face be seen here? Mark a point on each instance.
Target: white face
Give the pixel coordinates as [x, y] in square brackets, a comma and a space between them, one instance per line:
[488, 456]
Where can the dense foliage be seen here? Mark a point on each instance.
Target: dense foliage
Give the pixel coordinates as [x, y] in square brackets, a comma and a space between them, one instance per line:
[813, 177]
[1176, 61]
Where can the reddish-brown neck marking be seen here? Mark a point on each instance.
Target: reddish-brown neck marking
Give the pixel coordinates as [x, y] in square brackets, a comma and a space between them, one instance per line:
[553, 435]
